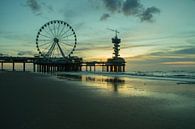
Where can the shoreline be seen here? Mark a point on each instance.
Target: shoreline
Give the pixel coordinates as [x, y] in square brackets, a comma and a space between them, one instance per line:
[31, 100]
[179, 80]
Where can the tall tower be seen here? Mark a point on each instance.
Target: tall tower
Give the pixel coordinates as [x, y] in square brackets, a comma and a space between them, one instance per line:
[116, 41]
[116, 63]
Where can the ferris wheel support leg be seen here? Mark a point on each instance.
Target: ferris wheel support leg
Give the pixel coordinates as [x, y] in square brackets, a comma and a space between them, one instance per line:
[49, 53]
[60, 50]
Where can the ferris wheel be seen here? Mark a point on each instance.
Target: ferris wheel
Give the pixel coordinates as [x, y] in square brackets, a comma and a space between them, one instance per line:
[56, 39]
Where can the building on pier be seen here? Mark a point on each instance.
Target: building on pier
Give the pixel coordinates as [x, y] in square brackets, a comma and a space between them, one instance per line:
[116, 63]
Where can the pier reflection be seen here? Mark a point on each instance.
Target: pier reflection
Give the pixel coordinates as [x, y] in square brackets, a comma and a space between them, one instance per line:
[70, 77]
[116, 83]
[111, 83]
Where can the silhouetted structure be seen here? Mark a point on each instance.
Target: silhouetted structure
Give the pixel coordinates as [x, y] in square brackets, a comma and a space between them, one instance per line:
[116, 63]
[55, 42]
[58, 65]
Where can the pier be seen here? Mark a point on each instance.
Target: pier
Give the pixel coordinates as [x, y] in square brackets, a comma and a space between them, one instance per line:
[107, 66]
[14, 60]
[61, 65]
[55, 48]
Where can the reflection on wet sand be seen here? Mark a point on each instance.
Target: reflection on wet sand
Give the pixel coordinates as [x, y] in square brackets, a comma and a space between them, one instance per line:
[70, 77]
[120, 85]
[130, 86]
[114, 82]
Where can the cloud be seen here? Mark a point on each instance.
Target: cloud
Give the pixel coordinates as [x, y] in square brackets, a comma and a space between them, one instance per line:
[38, 8]
[176, 52]
[148, 14]
[112, 5]
[22, 53]
[95, 48]
[186, 51]
[177, 57]
[105, 16]
[131, 8]
[34, 6]
[1, 54]
[179, 63]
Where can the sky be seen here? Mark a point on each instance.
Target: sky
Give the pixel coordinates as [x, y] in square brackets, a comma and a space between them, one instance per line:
[156, 35]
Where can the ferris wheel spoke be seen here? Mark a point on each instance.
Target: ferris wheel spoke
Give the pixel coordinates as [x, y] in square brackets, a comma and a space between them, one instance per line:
[68, 40]
[44, 44]
[54, 29]
[50, 54]
[45, 36]
[44, 40]
[61, 51]
[51, 30]
[47, 32]
[68, 36]
[67, 44]
[54, 52]
[64, 33]
[55, 25]
[49, 45]
[66, 49]
[51, 49]
[58, 29]
[58, 51]
[46, 48]
[61, 31]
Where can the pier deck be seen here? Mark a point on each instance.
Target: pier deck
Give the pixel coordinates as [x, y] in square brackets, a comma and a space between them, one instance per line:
[62, 65]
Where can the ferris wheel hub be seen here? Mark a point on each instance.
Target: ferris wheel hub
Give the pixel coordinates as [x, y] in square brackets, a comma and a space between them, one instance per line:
[56, 40]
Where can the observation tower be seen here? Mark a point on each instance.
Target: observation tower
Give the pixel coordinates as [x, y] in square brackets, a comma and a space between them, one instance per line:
[116, 63]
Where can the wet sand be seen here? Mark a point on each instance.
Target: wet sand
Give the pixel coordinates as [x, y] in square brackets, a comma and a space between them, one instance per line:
[35, 101]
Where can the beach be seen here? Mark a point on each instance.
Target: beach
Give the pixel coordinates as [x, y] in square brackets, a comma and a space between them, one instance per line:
[40, 101]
